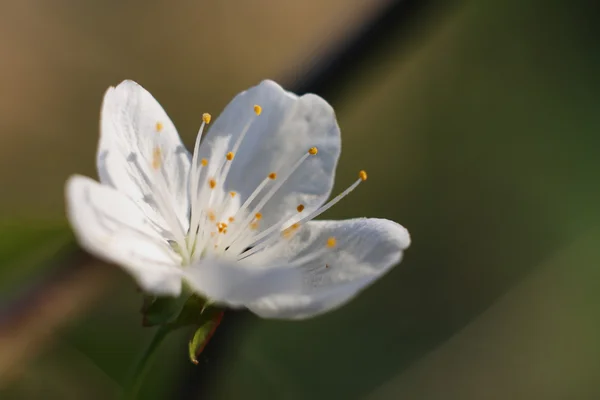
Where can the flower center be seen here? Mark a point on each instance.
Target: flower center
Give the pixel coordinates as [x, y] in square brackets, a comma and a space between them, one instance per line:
[221, 224]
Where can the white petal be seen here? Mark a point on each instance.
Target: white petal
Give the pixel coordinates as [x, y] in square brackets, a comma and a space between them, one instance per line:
[284, 132]
[112, 227]
[238, 283]
[366, 249]
[132, 125]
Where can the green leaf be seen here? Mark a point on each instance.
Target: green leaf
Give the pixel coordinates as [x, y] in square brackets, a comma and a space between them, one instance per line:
[203, 335]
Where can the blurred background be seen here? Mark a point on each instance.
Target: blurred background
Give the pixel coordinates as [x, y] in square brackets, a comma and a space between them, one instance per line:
[477, 121]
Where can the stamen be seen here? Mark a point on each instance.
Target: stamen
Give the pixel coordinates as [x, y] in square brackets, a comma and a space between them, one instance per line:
[363, 175]
[256, 242]
[257, 109]
[224, 170]
[163, 203]
[256, 192]
[267, 196]
[231, 219]
[222, 227]
[212, 183]
[273, 176]
[300, 208]
[288, 232]
[159, 126]
[232, 194]
[195, 172]
[156, 158]
[313, 151]
[335, 200]
[258, 216]
[246, 247]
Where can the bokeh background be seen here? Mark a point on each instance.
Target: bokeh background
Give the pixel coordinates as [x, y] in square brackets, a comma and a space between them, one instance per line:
[477, 121]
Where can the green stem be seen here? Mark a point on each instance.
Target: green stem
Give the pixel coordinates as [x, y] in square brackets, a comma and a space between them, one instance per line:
[140, 368]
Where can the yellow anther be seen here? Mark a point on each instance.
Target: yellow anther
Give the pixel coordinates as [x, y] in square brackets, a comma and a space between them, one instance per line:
[211, 216]
[230, 155]
[212, 183]
[156, 158]
[362, 175]
[273, 176]
[232, 194]
[206, 118]
[257, 109]
[312, 151]
[222, 227]
[331, 242]
[231, 219]
[288, 231]
[258, 216]
[204, 162]
[254, 226]
[159, 126]
[300, 207]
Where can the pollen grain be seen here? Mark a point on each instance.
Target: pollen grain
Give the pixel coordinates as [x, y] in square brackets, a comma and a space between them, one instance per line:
[156, 158]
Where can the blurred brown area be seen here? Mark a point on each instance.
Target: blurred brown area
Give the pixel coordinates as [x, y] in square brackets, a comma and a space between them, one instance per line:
[59, 57]
[62, 300]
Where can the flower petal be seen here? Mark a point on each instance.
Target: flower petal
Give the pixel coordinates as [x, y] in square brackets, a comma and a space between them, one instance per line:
[287, 127]
[365, 250]
[237, 284]
[111, 226]
[141, 153]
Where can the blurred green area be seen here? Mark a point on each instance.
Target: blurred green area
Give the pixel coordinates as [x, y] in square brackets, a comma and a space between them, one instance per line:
[478, 126]
[25, 246]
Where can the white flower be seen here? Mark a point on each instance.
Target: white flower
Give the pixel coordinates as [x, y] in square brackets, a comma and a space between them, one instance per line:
[235, 219]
